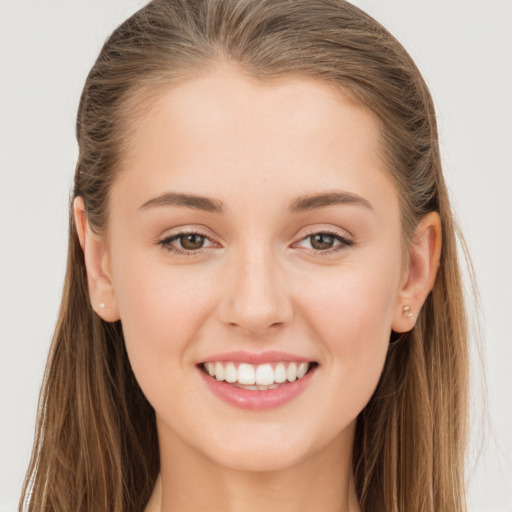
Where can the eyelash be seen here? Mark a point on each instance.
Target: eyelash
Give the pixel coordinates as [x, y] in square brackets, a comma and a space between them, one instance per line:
[344, 243]
[166, 243]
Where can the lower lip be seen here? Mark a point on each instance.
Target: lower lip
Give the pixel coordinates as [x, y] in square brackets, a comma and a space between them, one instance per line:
[254, 399]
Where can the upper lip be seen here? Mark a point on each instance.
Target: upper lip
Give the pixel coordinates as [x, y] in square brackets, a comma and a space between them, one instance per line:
[242, 356]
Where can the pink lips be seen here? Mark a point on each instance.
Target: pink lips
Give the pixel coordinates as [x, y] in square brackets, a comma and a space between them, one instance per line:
[241, 356]
[256, 399]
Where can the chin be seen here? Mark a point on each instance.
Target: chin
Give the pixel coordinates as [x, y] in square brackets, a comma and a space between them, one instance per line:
[262, 459]
[261, 451]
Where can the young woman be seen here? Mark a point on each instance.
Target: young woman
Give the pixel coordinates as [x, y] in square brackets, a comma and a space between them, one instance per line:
[262, 307]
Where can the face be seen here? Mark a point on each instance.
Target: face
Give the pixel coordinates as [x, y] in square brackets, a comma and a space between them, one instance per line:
[254, 227]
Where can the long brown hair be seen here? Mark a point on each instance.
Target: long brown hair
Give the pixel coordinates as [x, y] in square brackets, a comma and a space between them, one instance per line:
[96, 446]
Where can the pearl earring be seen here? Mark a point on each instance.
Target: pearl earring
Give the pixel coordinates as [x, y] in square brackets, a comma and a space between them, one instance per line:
[101, 306]
[407, 312]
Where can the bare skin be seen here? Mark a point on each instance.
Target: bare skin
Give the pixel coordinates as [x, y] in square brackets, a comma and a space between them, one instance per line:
[256, 280]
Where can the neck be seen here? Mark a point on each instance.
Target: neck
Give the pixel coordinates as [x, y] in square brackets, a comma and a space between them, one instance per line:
[191, 482]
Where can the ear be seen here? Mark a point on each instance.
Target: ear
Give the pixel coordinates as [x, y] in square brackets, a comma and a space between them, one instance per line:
[96, 258]
[420, 274]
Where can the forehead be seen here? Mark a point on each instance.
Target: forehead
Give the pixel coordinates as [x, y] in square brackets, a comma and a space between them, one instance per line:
[231, 137]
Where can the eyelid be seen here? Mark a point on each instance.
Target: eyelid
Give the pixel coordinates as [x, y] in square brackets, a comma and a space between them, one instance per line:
[188, 229]
[344, 241]
[335, 232]
[165, 241]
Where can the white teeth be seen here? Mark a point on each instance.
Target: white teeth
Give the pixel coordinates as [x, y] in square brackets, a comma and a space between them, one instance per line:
[246, 374]
[291, 372]
[256, 377]
[264, 375]
[302, 370]
[219, 371]
[280, 373]
[231, 373]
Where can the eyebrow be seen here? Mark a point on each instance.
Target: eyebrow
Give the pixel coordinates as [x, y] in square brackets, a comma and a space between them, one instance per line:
[185, 200]
[322, 200]
[301, 204]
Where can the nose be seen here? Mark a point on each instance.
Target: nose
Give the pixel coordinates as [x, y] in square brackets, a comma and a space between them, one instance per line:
[256, 298]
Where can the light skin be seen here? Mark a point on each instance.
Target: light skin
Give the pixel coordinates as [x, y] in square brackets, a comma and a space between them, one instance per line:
[280, 162]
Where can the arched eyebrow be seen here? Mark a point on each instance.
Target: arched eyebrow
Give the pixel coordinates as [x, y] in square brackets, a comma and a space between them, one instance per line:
[187, 201]
[322, 200]
[301, 204]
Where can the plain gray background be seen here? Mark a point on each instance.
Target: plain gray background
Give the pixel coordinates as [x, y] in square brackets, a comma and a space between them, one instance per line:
[464, 49]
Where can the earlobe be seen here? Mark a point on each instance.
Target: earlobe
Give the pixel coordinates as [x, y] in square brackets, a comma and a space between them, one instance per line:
[420, 274]
[100, 285]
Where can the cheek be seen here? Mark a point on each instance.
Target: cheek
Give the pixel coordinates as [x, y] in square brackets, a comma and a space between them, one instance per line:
[161, 308]
[351, 315]
[353, 303]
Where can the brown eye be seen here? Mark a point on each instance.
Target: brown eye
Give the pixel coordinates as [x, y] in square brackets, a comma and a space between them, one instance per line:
[322, 241]
[191, 241]
[186, 244]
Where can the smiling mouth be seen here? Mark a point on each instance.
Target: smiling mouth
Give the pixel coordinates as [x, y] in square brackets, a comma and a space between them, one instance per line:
[259, 377]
